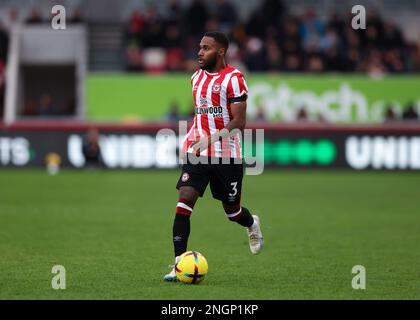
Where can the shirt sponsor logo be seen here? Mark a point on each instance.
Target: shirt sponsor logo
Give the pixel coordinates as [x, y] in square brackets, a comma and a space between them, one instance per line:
[213, 111]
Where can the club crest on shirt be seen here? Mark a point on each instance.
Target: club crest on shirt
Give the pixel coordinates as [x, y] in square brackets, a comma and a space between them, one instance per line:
[216, 88]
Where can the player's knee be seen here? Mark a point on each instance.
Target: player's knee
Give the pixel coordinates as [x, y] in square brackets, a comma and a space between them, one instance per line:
[189, 194]
[184, 207]
[187, 198]
[233, 212]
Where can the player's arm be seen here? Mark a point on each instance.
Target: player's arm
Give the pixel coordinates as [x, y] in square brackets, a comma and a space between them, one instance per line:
[238, 111]
[237, 95]
[238, 121]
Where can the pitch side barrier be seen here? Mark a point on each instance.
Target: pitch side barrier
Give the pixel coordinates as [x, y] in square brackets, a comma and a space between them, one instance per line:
[281, 146]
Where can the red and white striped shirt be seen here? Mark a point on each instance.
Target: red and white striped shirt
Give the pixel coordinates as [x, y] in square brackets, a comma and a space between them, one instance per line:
[212, 93]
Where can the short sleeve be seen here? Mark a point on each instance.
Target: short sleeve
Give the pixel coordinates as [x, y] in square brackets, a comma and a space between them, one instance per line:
[192, 77]
[237, 90]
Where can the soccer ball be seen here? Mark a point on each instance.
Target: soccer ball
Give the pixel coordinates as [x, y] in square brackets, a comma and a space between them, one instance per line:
[192, 267]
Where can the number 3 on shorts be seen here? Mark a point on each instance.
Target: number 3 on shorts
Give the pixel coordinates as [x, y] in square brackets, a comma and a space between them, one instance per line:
[233, 184]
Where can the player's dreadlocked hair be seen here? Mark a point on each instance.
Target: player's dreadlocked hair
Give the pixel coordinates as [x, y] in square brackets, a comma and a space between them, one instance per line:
[219, 37]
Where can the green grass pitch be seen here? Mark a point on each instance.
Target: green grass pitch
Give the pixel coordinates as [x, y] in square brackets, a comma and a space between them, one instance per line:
[112, 233]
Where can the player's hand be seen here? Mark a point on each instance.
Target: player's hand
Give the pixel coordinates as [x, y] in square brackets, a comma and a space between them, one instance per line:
[202, 144]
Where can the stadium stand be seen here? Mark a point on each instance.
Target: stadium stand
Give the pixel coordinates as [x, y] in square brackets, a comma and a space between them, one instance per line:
[269, 36]
[272, 39]
[4, 45]
[274, 35]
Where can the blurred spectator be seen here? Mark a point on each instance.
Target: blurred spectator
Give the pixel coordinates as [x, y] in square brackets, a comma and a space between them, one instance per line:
[390, 115]
[302, 114]
[196, 16]
[415, 58]
[393, 61]
[175, 12]
[260, 114]
[4, 47]
[392, 36]
[153, 32]
[410, 113]
[291, 39]
[173, 37]
[255, 55]
[373, 64]
[273, 56]
[337, 23]
[2, 87]
[374, 28]
[174, 48]
[4, 43]
[226, 15]
[321, 118]
[315, 63]
[174, 114]
[29, 108]
[77, 16]
[333, 60]
[293, 63]
[46, 106]
[329, 40]
[255, 26]
[135, 26]
[134, 57]
[191, 113]
[311, 30]
[12, 17]
[211, 24]
[91, 149]
[70, 107]
[34, 17]
[273, 11]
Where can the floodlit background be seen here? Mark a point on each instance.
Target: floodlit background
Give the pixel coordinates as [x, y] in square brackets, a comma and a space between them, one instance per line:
[85, 184]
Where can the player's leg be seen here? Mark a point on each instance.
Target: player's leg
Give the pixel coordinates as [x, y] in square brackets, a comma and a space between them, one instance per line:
[226, 185]
[238, 214]
[242, 216]
[191, 185]
[181, 228]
